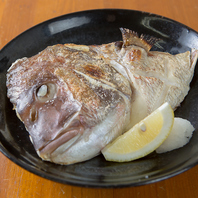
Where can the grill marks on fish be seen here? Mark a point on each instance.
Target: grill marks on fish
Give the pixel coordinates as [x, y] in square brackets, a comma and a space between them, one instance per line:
[134, 55]
[75, 99]
[94, 71]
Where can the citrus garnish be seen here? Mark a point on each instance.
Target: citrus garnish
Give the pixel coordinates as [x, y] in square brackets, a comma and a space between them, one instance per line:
[143, 138]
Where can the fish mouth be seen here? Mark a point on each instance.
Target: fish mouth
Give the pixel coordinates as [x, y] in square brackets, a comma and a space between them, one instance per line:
[67, 136]
[67, 139]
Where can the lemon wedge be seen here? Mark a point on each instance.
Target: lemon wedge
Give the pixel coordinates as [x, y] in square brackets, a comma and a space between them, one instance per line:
[143, 138]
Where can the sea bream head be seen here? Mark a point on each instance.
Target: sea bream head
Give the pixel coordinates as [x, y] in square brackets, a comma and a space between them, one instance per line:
[75, 99]
[71, 102]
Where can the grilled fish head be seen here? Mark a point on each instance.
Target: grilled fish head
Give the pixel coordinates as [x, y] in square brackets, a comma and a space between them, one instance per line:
[75, 99]
[71, 102]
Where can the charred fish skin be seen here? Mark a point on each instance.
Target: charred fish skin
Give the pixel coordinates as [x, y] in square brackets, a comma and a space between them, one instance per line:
[75, 99]
[71, 102]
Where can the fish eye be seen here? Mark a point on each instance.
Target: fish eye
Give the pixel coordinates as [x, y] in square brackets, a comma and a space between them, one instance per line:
[46, 92]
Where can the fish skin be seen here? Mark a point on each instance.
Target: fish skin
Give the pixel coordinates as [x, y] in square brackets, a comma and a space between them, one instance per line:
[94, 93]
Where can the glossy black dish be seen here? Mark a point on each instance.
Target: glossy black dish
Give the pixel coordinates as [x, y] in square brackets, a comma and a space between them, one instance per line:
[99, 27]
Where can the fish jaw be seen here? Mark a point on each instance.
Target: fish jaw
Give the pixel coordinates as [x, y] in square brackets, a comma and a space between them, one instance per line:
[92, 141]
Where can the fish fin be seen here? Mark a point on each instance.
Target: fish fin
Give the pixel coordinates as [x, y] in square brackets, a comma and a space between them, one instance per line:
[132, 38]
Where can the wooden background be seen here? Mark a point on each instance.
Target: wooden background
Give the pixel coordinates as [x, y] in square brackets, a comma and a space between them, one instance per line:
[17, 16]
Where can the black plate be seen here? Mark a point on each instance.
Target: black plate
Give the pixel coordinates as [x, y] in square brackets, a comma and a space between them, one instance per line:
[98, 27]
